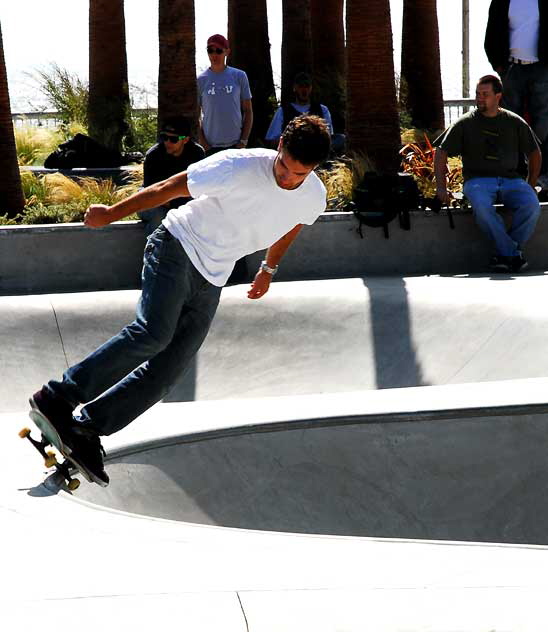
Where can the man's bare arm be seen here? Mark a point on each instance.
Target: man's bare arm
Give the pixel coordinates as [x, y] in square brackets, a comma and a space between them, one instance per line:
[274, 255]
[534, 160]
[157, 194]
[247, 122]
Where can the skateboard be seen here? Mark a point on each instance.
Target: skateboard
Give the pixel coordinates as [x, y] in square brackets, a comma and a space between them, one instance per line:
[51, 438]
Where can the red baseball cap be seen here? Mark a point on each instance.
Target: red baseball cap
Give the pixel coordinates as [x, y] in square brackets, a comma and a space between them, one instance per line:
[220, 40]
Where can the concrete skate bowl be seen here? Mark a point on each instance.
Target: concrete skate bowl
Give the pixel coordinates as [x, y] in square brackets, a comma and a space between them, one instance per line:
[442, 477]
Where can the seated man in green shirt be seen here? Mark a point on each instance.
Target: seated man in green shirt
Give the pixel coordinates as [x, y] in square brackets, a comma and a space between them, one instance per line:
[491, 141]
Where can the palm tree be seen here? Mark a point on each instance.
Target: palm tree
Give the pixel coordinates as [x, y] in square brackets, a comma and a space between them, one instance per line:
[12, 200]
[250, 51]
[296, 43]
[372, 121]
[327, 27]
[177, 90]
[420, 64]
[108, 106]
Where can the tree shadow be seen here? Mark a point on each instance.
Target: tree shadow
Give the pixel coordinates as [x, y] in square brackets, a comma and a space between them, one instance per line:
[395, 356]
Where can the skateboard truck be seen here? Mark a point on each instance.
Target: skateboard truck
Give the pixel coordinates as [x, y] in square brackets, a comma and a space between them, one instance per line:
[50, 459]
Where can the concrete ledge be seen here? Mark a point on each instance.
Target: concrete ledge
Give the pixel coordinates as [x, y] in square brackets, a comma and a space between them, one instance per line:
[73, 258]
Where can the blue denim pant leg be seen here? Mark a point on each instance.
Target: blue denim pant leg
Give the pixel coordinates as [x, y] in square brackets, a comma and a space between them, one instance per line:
[176, 303]
[482, 194]
[152, 218]
[521, 199]
[518, 197]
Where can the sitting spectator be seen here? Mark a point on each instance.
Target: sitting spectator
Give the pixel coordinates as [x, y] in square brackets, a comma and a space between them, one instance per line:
[173, 153]
[491, 141]
[303, 104]
[225, 101]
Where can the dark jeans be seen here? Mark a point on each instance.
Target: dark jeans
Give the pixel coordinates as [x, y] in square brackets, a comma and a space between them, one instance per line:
[137, 367]
[526, 91]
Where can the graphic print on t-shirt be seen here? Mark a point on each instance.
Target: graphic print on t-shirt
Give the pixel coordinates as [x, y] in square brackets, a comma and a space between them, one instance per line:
[491, 144]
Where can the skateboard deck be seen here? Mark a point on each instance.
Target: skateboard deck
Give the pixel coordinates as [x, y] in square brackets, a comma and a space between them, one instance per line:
[51, 438]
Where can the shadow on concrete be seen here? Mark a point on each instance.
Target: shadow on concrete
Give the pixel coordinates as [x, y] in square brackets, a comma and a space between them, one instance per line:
[395, 356]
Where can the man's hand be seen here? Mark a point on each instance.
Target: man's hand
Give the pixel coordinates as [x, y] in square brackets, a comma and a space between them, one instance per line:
[97, 215]
[260, 284]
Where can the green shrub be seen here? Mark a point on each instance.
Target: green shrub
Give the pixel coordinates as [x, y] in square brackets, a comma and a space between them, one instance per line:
[66, 93]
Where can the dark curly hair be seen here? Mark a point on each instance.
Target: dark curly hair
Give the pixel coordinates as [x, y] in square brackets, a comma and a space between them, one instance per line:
[307, 139]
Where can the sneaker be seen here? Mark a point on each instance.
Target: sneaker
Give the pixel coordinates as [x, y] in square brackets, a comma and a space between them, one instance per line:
[87, 453]
[499, 263]
[519, 263]
[542, 181]
[54, 408]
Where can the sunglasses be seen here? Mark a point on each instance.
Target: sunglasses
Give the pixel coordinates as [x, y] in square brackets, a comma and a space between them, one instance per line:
[169, 138]
[217, 51]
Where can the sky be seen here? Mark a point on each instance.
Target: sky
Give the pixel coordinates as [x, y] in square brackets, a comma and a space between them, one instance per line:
[37, 33]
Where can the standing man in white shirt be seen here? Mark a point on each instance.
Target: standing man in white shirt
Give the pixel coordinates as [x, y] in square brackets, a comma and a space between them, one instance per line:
[516, 44]
[243, 201]
[225, 101]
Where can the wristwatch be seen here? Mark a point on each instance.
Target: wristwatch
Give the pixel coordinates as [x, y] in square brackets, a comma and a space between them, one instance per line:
[266, 268]
[243, 141]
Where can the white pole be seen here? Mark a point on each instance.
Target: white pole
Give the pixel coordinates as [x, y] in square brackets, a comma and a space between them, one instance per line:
[465, 49]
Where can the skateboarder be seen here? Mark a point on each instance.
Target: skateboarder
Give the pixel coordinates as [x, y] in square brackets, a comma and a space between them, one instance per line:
[244, 201]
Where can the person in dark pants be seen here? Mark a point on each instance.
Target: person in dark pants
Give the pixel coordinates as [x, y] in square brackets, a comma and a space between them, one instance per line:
[174, 152]
[243, 201]
[516, 44]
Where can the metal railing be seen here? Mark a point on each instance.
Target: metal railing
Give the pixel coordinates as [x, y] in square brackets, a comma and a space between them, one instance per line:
[453, 108]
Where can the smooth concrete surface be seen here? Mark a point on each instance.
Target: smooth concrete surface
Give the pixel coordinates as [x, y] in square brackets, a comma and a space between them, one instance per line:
[66, 559]
[474, 444]
[304, 337]
[478, 480]
[73, 258]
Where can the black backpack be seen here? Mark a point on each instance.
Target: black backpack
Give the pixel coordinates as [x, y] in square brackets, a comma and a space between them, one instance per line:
[83, 151]
[379, 199]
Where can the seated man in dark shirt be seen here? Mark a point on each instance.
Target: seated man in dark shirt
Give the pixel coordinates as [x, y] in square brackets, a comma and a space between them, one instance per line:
[173, 153]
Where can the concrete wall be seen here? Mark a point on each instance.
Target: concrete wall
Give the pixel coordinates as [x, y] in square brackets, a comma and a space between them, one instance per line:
[72, 258]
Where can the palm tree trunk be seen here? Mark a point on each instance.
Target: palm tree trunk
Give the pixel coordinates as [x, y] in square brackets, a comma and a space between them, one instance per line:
[12, 200]
[372, 120]
[296, 43]
[108, 107]
[420, 64]
[177, 90]
[250, 51]
[327, 27]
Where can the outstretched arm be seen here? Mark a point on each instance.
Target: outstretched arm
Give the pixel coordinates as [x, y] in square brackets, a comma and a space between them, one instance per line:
[274, 255]
[157, 194]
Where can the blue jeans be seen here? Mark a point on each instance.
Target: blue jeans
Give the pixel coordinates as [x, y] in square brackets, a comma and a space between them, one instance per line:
[517, 196]
[138, 366]
[152, 218]
[526, 90]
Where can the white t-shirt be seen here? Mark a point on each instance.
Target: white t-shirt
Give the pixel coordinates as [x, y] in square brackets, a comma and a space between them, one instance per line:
[238, 209]
[275, 129]
[523, 17]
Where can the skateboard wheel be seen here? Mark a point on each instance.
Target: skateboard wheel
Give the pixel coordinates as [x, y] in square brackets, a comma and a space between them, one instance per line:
[73, 484]
[50, 460]
[24, 433]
